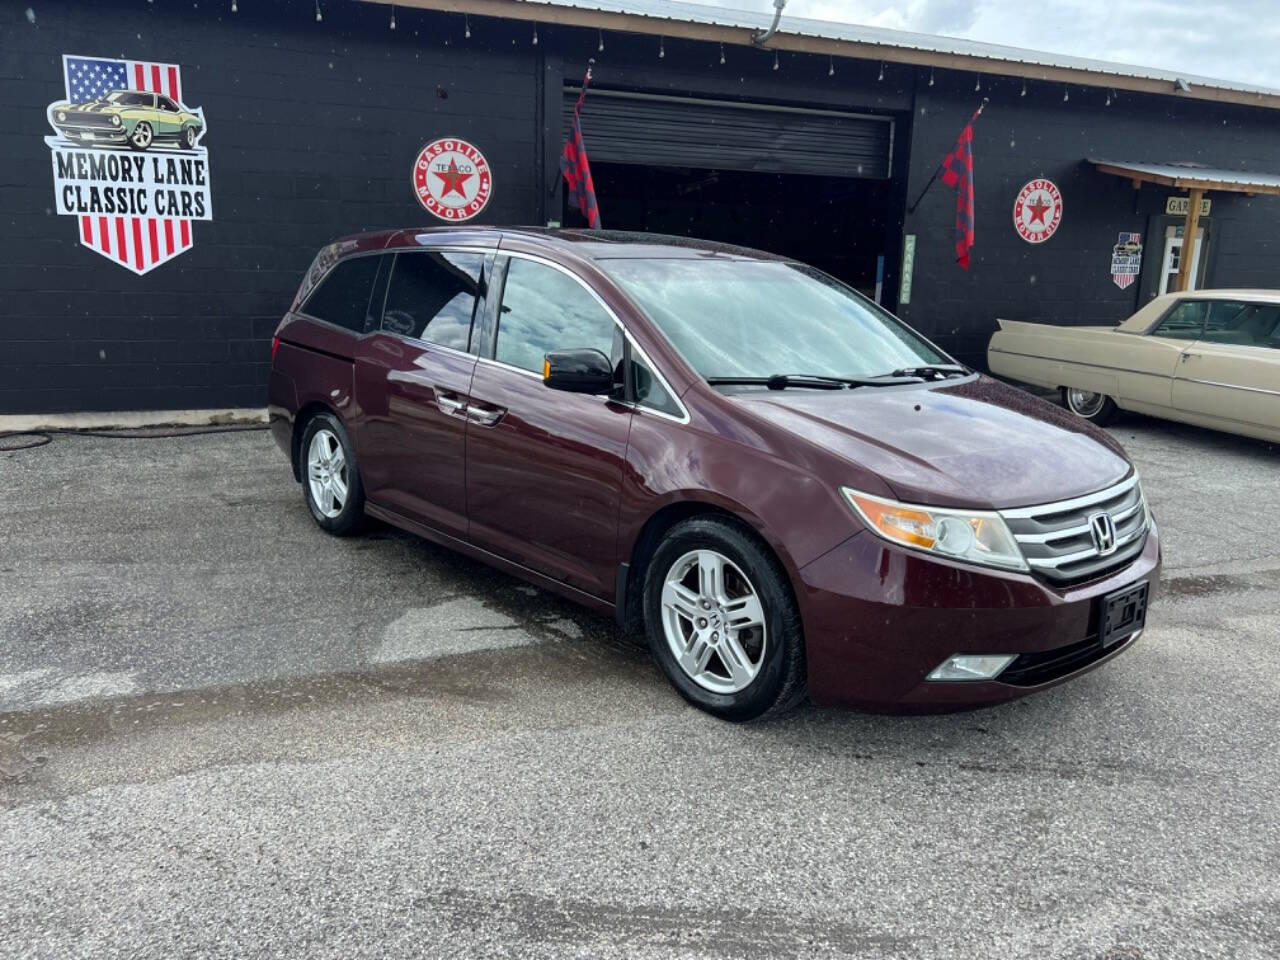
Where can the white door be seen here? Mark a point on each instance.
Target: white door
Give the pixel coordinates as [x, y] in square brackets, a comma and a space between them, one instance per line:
[1173, 257]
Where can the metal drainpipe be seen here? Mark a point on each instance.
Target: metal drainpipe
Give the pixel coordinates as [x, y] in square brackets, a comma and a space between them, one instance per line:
[764, 36]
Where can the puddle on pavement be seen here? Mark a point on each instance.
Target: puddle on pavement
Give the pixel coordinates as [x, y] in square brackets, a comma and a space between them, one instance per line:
[482, 678]
[1210, 584]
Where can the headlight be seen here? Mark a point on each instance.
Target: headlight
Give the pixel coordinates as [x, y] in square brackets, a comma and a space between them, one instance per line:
[115, 120]
[972, 536]
[62, 116]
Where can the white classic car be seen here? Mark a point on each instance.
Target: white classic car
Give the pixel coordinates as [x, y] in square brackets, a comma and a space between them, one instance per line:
[1208, 357]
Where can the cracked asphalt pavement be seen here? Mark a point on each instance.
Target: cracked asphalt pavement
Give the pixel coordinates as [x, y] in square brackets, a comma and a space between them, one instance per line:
[225, 734]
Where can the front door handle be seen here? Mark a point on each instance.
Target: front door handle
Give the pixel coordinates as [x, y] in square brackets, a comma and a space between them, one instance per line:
[484, 416]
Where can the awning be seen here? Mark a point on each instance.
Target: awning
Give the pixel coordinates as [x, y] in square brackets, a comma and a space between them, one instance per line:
[1191, 176]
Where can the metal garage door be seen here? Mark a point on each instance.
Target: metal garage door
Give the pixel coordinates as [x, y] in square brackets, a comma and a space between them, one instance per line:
[678, 132]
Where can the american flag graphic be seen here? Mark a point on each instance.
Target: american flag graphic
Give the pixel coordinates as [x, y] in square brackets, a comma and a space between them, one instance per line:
[139, 243]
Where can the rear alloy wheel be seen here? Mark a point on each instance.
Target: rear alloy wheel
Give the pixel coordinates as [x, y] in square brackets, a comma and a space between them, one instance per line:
[189, 137]
[722, 622]
[1095, 407]
[142, 136]
[331, 481]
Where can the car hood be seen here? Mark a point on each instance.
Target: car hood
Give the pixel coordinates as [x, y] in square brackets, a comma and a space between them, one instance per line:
[93, 106]
[978, 443]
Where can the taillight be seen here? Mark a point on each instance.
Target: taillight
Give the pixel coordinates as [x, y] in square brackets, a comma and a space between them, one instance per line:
[275, 345]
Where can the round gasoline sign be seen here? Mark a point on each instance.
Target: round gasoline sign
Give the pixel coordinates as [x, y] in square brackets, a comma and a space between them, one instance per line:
[1037, 212]
[451, 179]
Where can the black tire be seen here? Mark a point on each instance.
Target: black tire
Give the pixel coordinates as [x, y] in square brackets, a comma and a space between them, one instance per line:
[1097, 408]
[150, 137]
[350, 517]
[779, 682]
[188, 138]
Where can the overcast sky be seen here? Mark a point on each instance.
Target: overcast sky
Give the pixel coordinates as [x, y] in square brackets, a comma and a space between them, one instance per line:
[1227, 39]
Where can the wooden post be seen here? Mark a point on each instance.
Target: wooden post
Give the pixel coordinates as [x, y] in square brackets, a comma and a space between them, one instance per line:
[1188, 255]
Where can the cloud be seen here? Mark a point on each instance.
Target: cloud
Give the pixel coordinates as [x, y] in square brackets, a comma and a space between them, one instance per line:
[1229, 39]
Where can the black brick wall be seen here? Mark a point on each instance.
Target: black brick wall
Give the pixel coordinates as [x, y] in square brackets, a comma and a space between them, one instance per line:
[313, 128]
[312, 131]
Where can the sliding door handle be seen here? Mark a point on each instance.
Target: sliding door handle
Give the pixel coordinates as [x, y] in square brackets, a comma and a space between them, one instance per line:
[484, 416]
[450, 405]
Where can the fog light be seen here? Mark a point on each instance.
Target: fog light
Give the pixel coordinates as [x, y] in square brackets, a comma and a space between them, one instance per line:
[965, 666]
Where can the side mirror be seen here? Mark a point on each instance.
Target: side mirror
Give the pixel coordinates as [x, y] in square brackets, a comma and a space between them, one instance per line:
[578, 371]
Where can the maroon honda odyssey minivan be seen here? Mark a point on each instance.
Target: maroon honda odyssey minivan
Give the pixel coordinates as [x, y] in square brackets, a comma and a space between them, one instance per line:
[785, 488]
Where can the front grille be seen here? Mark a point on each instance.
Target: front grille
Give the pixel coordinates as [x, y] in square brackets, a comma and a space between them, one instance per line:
[1058, 541]
[83, 119]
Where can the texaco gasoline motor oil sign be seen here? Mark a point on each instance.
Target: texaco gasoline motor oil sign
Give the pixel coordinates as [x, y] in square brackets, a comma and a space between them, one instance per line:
[128, 160]
[451, 179]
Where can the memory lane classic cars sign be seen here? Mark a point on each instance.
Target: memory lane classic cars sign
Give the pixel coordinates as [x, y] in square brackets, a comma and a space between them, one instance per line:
[127, 160]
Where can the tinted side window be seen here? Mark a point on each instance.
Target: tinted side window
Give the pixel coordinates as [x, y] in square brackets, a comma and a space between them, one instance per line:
[433, 297]
[544, 310]
[1184, 322]
[1243, 324]
[342, 298]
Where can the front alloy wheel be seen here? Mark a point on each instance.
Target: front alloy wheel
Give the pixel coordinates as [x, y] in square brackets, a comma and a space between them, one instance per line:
[722, 621]
[189, 137]
[142, 136]
[713, 621]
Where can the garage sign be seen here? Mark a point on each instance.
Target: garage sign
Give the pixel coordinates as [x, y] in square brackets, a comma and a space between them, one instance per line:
[128, 160]
[1037, 212]
[452, 180]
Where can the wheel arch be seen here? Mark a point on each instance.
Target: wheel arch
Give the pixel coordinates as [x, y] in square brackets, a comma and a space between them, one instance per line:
[635, 564]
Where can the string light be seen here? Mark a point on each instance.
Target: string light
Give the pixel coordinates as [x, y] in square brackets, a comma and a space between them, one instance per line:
[775, 59]
[931, 76]
[466, 22]
[1066, 94]
[535, 34]
[234, 8]
[881, 77]
[977, 84]
[831, 66]
[722, 54]
[662, 48]
[319, 15]
[1111, 95]
[600, 49]
[1024, 89]
[393, 16]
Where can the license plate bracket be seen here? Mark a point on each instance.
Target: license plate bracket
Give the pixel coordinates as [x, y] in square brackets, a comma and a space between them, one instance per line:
[1123, 613]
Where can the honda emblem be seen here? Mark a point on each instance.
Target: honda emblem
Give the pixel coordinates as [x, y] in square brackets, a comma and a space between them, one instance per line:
[1103, 531]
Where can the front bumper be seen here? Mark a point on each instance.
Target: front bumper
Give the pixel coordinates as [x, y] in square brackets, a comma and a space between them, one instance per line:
[879, 618]
[93, 133]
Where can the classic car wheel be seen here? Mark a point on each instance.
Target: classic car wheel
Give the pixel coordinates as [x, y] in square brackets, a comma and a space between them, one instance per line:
[330, 477]
[1095, 407]
[142, 136]
[189, 137]
[722, 622]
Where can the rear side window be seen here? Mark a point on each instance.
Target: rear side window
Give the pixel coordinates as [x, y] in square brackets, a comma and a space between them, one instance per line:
[545, 310]
[342, 298]
[433, 297]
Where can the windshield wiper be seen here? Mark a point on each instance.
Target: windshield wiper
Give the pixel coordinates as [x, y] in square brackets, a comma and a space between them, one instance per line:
[937, 371]
[781, 381]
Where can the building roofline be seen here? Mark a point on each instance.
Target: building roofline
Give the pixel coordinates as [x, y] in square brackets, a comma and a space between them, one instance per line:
[692, 21]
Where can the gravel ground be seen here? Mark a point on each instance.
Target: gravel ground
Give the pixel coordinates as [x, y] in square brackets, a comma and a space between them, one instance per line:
[225, 734]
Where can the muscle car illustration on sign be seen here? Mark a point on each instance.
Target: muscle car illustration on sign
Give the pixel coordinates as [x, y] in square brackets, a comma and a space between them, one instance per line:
[1206, 357]
[135, 117]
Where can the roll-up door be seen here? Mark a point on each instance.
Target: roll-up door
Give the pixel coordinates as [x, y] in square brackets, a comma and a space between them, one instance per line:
[683, 132]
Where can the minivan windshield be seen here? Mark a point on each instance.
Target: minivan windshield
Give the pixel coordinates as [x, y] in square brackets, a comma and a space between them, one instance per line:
[750, 318]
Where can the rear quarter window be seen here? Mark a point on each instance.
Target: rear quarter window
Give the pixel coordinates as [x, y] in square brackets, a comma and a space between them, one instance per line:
[342, 297]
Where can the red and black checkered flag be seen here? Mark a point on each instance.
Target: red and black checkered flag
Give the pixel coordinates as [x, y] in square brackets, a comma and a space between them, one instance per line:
[957, 173]
[576, 169]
